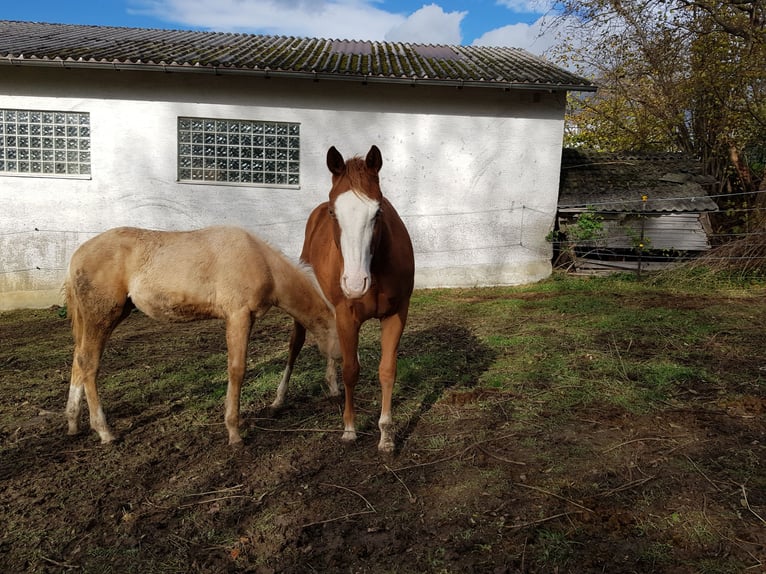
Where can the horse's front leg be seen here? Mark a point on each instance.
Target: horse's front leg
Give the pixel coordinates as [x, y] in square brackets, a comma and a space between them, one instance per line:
[297, 338]
[237, 336]
[348, 335]
[391, 329]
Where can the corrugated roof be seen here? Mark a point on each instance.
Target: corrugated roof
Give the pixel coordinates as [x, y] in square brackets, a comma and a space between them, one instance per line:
[31, 43]
[616, 182]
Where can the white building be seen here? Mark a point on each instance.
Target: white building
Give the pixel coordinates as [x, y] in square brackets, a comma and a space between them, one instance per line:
[103, 127]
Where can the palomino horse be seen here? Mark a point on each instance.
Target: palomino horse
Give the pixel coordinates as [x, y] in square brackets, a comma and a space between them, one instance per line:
[362, 256]
[218, 272]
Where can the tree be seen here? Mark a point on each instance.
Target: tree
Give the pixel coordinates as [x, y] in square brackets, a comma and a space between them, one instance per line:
[674, 75]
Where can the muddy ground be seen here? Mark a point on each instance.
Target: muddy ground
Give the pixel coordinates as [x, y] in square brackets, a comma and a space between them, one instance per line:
[477, 483]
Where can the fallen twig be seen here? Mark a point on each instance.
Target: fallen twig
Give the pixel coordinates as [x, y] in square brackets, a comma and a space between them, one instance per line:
[218, 499]
[746, 504]
[626, 486]
[697, 468]
[370, 507]
[455, 455]
[549, 493]
[319, 430]
[60, 564]
[219, 491]
[645, 439]
[502, 459]
[540, 521]
[411, 498]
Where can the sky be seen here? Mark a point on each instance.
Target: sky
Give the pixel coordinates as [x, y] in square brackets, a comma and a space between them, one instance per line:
[516, 23]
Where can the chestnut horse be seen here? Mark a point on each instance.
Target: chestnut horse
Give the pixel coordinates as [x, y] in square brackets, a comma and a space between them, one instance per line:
[362, 256]
[217, 272]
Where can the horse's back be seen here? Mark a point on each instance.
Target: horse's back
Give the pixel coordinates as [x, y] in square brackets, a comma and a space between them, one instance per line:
[175, 275]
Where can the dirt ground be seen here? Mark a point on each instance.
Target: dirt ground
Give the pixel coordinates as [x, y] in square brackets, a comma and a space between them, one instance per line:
[471, 487]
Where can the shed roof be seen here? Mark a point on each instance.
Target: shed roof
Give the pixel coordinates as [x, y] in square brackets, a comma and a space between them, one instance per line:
[67, 45]
[616, 182]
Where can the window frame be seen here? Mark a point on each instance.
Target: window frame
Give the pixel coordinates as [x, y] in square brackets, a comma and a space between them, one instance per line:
[212, 149]
[24, 134]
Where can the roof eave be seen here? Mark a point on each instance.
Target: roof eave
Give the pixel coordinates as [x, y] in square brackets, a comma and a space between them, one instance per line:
[21, 61]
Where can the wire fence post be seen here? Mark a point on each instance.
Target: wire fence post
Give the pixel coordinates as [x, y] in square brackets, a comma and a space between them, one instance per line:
[641, 237]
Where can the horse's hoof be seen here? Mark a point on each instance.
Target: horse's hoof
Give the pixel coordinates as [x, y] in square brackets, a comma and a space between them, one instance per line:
[349, 436]
[275, 408]
[386, 447]
[106, 437]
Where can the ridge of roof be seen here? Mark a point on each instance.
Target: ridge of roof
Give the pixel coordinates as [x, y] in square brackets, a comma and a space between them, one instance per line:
[77, 45]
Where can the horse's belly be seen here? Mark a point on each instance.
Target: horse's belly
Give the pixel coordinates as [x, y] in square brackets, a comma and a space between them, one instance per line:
[165, 307]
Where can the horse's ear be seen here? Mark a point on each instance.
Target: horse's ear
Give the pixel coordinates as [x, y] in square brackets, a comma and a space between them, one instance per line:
[374, 160]
[335, 162]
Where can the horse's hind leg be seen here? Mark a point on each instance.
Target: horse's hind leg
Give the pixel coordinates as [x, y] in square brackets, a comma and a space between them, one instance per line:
[90, 330]
[297, 338]
[85, 366]
[331, 377]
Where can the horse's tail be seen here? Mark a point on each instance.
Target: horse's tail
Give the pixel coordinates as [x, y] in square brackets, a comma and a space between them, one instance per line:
[72, 307]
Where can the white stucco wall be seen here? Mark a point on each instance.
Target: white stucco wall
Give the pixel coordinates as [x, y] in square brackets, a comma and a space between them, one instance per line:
[474, 173]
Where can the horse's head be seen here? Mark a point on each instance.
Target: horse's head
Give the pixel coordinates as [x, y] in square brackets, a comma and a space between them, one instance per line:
[355, 208]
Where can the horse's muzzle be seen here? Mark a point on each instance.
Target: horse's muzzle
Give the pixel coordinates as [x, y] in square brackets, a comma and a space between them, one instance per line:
[356, 287]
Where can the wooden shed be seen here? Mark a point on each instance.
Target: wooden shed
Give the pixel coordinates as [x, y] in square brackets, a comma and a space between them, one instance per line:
[648, 207]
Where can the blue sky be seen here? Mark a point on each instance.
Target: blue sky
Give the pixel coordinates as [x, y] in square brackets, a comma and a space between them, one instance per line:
[515, 23]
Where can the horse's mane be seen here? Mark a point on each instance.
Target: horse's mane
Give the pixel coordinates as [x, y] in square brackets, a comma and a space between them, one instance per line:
[308, 271]
[359, 176]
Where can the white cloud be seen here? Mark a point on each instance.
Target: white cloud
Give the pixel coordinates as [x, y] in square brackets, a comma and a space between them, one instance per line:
[537, 37]
[334, 19]
[429, 25]
[527, 6]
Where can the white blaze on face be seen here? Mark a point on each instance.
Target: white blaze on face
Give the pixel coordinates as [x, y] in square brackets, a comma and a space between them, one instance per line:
[356, 216]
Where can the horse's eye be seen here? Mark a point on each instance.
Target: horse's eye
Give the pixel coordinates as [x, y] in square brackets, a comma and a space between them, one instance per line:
[331, 212]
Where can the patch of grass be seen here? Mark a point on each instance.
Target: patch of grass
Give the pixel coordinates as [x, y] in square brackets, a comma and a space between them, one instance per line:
[553, 548]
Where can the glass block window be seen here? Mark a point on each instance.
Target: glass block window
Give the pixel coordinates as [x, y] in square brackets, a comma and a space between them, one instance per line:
[238, 152]
[44, 143]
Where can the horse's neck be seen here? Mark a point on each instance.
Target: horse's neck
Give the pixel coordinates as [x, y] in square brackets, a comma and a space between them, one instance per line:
[298, 294]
